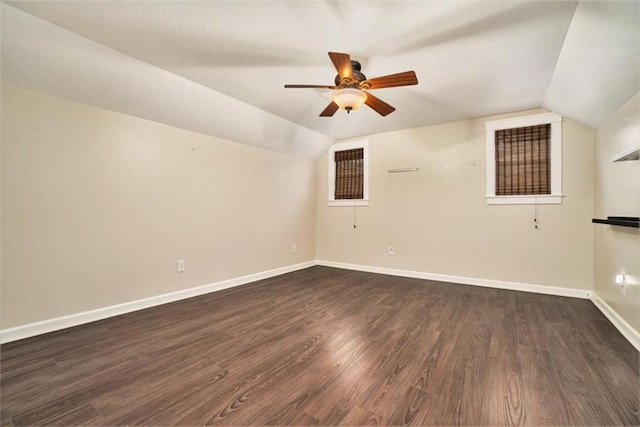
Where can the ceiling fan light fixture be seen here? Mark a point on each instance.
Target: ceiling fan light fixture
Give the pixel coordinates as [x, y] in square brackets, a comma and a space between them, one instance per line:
[349, 98]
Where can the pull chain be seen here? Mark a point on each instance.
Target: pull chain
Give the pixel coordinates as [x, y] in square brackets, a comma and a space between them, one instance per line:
[354, 216]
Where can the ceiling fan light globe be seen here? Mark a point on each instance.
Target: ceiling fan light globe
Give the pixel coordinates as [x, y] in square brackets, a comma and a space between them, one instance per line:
[349, 98]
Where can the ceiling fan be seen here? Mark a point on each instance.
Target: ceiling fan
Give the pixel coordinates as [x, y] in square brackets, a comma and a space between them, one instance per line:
[351, 85]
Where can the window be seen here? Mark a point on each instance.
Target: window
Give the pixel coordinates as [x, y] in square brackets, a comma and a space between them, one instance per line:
[349, 178]
[524, 160]
[349, 174]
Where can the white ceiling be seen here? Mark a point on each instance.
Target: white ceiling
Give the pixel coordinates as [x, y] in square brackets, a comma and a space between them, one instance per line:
[472, 59]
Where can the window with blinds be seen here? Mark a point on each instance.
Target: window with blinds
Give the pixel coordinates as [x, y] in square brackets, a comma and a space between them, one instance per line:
[522, 161]
[349, 174]
[348, 183]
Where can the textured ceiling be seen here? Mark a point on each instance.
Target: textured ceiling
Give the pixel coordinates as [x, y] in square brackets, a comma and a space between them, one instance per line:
[472, 58]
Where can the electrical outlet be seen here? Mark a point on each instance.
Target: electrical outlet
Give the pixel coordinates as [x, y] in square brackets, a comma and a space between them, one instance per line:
[181, 266]
[294, 248]
[392, 250]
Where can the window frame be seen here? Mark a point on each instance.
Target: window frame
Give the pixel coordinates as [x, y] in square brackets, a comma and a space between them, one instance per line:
[343, 146]
[555, 152]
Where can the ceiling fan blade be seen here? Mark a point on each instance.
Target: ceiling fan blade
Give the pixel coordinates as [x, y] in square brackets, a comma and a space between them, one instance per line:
[407, 78]
[330, 110]
[308, 86]
[379, 105]
[342, 62]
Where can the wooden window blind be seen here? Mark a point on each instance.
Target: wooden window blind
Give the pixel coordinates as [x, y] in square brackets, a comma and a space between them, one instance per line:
[523, 161]
[349, 174]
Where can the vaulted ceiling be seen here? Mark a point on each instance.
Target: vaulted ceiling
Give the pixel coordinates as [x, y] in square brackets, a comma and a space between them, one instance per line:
[219, 67]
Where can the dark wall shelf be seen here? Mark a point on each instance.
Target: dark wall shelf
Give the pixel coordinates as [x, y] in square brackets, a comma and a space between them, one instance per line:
[624, 221]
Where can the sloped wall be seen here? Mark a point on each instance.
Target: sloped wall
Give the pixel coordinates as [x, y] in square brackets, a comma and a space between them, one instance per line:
[98, 206]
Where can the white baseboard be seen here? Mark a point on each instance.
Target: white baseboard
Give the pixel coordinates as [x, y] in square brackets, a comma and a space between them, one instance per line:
[513, 286]
[621, 325]
[43, 327]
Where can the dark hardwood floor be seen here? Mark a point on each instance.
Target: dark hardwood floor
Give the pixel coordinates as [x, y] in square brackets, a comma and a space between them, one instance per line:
[329, 346]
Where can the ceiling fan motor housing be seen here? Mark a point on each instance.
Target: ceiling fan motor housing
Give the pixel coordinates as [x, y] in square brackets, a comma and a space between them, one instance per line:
[357, 76]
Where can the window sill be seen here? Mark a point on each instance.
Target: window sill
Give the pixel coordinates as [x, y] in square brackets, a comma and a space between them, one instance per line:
[348, 202]
[553, 199]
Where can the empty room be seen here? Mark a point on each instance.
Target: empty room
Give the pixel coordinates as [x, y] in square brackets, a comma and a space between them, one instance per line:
[309, 212]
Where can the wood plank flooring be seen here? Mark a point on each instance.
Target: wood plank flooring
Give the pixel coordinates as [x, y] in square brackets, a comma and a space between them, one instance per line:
[330, 346]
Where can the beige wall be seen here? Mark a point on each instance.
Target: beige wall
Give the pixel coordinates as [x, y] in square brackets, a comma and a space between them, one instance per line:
[438, 221]
[617, 193]
[98, 206]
